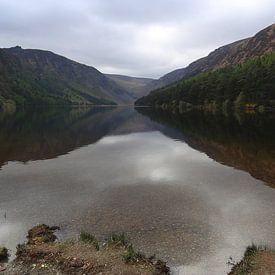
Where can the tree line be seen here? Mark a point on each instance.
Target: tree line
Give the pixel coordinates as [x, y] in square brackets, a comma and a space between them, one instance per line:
[247, 85]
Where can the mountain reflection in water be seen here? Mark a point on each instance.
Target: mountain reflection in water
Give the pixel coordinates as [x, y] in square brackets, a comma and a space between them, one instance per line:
[167, 180]
[245, 141]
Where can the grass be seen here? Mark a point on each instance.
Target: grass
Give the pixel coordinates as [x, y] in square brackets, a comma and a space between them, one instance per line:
[89, 238]
[117, 256]
[118, 240]
[132, 256]
[247, 264]
[251, 261]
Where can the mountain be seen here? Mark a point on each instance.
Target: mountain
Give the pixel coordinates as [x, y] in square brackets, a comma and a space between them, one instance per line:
[245, 86]
[235, 53]
[41, 77]
[241, 74]
[135, 85]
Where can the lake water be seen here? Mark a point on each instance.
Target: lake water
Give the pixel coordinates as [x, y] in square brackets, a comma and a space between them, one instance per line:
[194, 189]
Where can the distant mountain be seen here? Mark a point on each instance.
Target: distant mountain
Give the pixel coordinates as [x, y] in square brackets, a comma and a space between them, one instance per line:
[42, 77]
[135, 85]
[235, 53]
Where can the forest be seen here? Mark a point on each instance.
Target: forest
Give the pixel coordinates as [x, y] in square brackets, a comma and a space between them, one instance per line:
[248, 85]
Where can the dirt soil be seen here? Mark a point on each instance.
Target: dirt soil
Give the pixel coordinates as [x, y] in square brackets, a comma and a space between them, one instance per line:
[41, 254]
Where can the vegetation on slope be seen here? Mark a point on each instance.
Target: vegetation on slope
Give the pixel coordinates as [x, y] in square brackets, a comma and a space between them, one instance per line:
[38, 77]
[228, 55]
[245, 85]
[135, 85]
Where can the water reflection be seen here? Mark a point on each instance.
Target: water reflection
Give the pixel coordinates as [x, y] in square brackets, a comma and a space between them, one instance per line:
[113, 170]
[48, 133]
[243, 141]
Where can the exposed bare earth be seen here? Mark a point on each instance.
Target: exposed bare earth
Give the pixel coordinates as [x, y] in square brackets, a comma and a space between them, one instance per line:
[42, 255]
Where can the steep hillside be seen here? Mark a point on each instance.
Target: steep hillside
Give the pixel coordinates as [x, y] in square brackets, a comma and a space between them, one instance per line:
[42, 77]
[247, 85]
[235, 53]
[135, 85]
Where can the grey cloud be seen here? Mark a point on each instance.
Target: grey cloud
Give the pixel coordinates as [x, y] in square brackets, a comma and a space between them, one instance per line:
[143, 38]
[144, 11]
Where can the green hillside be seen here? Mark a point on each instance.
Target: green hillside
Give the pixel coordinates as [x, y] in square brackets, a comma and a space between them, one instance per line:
[41, 77]
[250, 84]
[228, 55]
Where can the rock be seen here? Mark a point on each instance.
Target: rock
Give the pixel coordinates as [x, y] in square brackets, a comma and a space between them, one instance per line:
[3, 253]
[41, 234]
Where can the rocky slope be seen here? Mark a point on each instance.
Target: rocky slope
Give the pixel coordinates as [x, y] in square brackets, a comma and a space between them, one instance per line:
[235, 53]
[36, 76]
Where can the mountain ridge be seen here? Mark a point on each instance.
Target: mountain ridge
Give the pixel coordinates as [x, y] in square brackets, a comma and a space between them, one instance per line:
[32, 76]
[231, 54]
[248, 85]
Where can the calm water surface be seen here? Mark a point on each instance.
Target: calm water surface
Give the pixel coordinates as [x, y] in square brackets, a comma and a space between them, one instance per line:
[193, 189]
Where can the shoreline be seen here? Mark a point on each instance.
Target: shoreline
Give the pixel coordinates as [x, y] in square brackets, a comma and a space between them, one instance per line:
[43, 254]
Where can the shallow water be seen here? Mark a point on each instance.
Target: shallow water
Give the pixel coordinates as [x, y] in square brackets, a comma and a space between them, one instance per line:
[193, 189]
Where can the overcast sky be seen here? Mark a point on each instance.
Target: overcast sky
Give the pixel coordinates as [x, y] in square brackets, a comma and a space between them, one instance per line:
[138, 38]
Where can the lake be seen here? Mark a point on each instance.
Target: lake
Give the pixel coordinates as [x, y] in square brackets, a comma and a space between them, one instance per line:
[195, 189]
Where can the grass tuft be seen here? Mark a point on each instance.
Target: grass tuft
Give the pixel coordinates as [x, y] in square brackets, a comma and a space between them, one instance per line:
[247, 264]
[89, 238]
[118, 240]
[132, 256]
